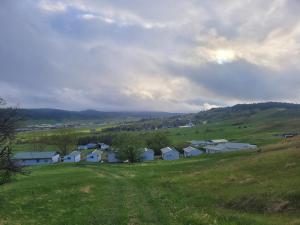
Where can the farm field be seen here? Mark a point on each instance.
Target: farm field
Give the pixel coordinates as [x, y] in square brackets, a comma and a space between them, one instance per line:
[245, 188]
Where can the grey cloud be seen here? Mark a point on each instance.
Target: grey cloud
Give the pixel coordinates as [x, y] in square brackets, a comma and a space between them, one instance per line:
[141, 61]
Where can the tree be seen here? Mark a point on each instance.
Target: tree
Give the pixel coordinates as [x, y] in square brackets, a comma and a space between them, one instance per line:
[65, 141]
[128, 147]
[158, 141]
[9, 121]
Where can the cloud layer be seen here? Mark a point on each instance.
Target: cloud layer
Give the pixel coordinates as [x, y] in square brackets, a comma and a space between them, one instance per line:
[169, 55]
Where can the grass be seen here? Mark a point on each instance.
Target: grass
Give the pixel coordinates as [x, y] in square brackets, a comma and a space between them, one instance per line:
[240, 188]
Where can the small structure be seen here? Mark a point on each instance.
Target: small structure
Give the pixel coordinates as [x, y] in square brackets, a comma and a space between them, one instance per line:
[169, 153]
[218, 141]
[200, 143]
[228, 147]
[74, 156]
[188, 125]
[35, 158]
[112, 157]
[191, 151]
[91, 146]
[81, 147]
[147, 154]
[94, 156]
[289, 135]
[103, 146]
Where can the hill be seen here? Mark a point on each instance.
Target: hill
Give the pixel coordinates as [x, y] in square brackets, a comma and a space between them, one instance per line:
[268, 112]
[241, 188]
[59, 115]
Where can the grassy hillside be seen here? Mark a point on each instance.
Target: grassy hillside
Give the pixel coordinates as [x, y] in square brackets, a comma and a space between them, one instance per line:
[243, 188]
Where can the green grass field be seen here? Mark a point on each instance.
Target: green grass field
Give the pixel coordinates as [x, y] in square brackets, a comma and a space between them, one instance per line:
[242, 188]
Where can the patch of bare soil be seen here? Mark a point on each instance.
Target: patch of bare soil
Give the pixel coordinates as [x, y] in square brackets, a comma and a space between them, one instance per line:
[86, 189]
[261, 204]
[290, 165]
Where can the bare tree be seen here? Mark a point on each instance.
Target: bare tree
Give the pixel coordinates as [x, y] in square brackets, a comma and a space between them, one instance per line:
[9, 121]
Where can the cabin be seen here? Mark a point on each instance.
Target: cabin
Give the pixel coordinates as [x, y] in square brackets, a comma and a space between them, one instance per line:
[218, 141]
[112, 157]
[169, 153]
[35, 158]
[199, 143]
[191, 151]
[103, 146]
[91, 146]
[74, 156]
[147, 154]
[228, 147]
[94, 156]
[82, 147]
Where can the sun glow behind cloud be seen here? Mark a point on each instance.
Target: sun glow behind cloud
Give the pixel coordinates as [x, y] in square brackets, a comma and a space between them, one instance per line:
[224, 56]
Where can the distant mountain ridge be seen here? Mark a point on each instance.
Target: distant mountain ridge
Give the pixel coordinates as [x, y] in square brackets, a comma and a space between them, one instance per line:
[240, 111]
[63, 115]
[267, 112]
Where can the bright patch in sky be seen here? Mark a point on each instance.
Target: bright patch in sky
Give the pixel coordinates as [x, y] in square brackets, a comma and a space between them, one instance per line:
[224, 56]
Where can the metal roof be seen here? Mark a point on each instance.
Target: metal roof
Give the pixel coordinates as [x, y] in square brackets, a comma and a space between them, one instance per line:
[167, 149]
[190, 148]
[74, 153]
[34, 155]
[230, 146]
[96, 152]
[148, 150]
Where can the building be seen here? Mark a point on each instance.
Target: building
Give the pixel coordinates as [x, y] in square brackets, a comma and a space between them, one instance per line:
[103, 146]
[82, 147]
[191, 151]
[169, 153]
[94, 156]
[228, 147]
[199, 143]
[112, 157]
[147, 154]
[188, 125]
[218, 141]
[91, 146]
[35, 158]
[74, 156]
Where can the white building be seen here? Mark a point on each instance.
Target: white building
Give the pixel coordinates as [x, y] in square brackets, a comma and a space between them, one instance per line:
[82, 147]
[103, 146]
[218, 141]
[94, 156]
[191, 151]
[200, 143]
[228, 147]
[74, 156]
[112, 157]
[36, 158]
[169, 153]
[147, 154]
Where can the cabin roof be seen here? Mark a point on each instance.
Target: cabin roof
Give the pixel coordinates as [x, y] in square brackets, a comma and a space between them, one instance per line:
[167, 149]
[96, 152]
[230, 146]
[190, 148]
[34, 155]
[74, 153]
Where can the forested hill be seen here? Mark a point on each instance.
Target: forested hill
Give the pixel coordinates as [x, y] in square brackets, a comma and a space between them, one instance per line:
[241, 113]
[64, 115]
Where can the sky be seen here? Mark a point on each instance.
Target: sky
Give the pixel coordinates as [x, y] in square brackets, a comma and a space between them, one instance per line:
[141, 55]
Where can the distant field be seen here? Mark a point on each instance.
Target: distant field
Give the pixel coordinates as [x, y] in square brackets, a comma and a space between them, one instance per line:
[243, 188]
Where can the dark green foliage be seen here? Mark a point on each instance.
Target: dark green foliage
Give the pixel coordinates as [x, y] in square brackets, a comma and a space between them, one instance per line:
[8, 124]
[128, 147]
[157, 141]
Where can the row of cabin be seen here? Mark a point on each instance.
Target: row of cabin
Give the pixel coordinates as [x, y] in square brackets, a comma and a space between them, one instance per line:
[168, 153]
[101, 146]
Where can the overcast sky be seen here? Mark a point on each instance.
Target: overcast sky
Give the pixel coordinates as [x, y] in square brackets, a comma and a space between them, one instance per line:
[158, 55]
